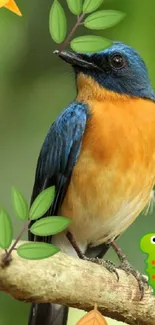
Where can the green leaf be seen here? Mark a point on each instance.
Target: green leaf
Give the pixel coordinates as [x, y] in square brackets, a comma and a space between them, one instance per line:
[91, 5]
[57, 22]
[103, 19]
[50, 226]
[20, 205]
[42, 203]
[89, 44]
[75, 6]
[36, 251]
[6, 230]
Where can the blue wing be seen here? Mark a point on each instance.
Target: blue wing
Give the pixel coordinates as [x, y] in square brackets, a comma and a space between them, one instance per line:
[59, 154]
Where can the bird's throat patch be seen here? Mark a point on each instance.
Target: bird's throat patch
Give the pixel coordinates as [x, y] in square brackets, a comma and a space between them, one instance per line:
[89, 89]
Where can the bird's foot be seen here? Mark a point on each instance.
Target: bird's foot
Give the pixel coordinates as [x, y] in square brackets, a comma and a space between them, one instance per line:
[142, 281]
[107, 264]
[127, 267]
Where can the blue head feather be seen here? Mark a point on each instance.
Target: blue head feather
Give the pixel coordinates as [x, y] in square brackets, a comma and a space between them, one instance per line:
[132, 79]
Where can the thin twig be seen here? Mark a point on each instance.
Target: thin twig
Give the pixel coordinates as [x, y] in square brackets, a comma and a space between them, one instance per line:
[7, 258]
[66, 41]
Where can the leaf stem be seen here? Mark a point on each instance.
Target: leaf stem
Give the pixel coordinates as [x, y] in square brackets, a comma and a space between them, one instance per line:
[7, 257]
[66, 41]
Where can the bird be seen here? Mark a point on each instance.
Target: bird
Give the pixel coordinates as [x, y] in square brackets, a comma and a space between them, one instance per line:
[100, 156]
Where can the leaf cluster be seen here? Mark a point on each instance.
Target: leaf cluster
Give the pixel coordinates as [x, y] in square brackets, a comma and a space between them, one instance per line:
[96, 20]
[45, 226]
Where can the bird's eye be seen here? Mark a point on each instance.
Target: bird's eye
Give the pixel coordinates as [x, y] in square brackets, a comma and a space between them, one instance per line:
[152, 240]
[117, 61]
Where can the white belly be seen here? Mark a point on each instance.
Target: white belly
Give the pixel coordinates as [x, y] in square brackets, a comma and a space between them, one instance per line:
[96, 232]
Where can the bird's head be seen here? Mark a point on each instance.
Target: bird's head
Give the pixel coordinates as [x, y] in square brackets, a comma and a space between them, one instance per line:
[118, 68]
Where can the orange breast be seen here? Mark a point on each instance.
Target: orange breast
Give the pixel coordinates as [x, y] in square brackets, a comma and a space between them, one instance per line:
[115, 172]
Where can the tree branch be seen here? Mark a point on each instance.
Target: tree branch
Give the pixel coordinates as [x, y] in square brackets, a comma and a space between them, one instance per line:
[76, 283]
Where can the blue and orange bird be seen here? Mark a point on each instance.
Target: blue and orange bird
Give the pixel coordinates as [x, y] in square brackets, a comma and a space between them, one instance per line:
[100, 155]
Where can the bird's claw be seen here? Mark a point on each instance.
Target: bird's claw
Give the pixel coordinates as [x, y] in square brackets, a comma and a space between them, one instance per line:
[127, 267]
[142, 281]
[107, 264]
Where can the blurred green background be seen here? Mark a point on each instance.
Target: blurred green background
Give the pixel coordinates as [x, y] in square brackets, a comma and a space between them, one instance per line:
[34, 87]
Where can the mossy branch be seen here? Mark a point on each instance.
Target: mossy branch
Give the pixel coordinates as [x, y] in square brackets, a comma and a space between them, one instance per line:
[76, 283]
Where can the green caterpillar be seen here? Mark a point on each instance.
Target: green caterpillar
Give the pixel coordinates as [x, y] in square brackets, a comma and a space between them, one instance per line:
[147, 245]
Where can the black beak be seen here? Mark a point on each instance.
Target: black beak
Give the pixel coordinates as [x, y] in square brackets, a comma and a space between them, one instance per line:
[77, 59]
